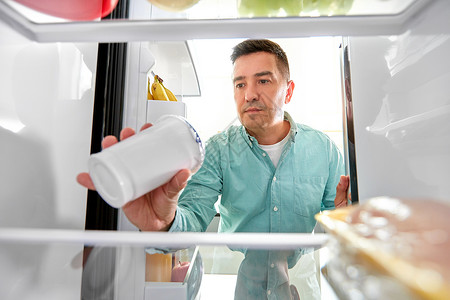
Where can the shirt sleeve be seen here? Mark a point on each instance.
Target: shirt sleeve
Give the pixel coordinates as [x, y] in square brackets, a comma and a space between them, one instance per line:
[196, 204]
[176, 225]
[336, 169]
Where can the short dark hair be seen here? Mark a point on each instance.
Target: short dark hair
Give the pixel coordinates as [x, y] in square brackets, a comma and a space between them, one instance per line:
[252, 46]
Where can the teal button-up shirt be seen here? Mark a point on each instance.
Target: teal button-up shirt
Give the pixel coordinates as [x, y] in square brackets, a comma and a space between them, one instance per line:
[256, 196]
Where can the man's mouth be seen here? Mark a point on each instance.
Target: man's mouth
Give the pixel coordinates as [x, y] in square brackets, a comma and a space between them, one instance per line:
[252, 109]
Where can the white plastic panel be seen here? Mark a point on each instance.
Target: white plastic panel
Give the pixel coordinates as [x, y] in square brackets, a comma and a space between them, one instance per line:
[401, 102]
[46, 101]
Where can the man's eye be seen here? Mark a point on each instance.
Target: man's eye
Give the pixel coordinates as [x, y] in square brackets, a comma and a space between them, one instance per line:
[263, 81]
[239, 85]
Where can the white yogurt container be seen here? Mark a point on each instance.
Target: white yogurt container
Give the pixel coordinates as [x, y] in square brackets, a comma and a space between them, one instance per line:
[145, 161]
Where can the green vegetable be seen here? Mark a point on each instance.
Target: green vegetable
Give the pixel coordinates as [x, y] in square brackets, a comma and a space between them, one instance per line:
[273, 8]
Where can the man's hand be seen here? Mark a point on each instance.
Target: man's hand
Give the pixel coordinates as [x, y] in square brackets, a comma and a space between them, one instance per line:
[154, 211]
[341, 199]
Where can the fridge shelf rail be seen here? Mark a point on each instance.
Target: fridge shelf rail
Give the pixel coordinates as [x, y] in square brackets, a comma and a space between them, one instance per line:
[172, 29]
[162, 239]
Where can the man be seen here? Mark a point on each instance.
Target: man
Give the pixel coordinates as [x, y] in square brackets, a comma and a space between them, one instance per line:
[272, 174]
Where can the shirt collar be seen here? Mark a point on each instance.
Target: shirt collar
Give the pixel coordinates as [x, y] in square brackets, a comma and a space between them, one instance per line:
[294, 129]
[292, 132]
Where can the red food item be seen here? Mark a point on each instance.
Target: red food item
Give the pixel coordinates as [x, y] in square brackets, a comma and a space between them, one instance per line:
[179, 271]
[78, 10]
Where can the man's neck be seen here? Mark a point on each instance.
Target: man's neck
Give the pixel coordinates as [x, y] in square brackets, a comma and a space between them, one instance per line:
[272, 135]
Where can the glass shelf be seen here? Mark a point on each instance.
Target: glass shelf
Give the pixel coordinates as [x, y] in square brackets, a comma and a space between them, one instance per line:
[216, 19]
[238, 9]
[162, 239]
[122, 264]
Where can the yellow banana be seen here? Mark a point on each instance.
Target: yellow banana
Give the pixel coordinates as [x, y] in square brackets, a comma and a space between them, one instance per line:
[149, 92]
[158, 91]
[170, 94]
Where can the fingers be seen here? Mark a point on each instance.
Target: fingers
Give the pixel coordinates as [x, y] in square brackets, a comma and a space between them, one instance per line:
[145, 126]
[343, 183]
[342, 203]
[126, 133]
[177, 183]
[108, 141]
[341, 192]
[85, 180]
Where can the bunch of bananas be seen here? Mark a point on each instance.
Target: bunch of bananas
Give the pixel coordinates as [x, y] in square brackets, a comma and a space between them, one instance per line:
[157, 91]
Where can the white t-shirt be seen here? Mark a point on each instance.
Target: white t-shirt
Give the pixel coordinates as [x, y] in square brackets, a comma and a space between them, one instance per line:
[274, 151]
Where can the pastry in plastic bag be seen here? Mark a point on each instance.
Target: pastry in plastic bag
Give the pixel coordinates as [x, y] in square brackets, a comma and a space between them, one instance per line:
[405, 240]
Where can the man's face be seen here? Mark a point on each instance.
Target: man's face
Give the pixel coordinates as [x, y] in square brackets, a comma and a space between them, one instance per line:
[260, 91]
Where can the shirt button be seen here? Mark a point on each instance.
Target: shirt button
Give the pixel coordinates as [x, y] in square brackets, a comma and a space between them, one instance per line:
[269, 292]
[264, 154]
[272, 266]
[274, 178]
[275, 208]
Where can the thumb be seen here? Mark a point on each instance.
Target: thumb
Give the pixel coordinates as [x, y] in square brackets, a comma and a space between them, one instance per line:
[342, 187]
[341, 192]
[85, 180]
[177, 183]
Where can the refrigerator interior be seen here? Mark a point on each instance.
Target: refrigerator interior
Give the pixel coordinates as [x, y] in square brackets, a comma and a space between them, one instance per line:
[46, 94]
[400, 103]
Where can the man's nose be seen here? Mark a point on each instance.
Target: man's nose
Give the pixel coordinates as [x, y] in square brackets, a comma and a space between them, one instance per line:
[251, 93]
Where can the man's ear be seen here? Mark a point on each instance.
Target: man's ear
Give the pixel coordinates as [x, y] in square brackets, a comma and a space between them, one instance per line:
[289, 92]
